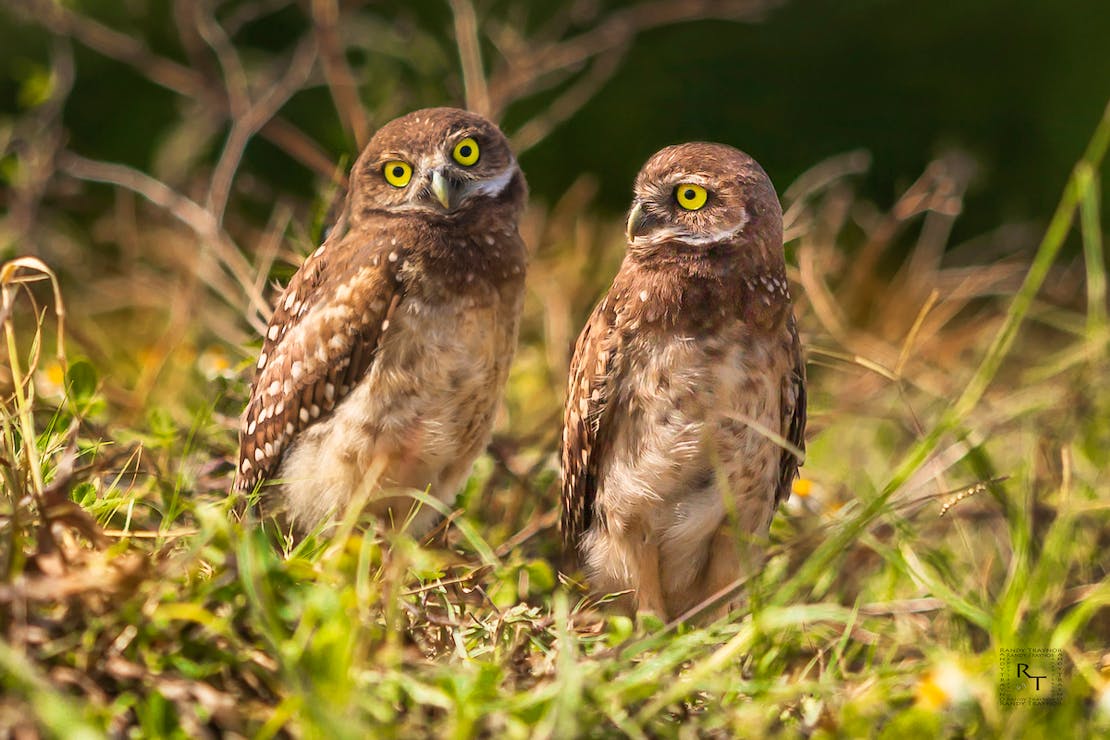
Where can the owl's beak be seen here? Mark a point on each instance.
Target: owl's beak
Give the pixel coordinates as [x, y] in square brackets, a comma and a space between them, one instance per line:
[441, 189]
[637, 222]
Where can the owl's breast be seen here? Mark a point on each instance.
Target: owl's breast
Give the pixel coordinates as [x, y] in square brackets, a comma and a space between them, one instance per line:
[437, 364]
[691, 414]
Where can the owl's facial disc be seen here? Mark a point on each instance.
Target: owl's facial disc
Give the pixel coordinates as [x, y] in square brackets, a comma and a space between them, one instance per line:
[684, 209]
[442, 187]
[439, 163]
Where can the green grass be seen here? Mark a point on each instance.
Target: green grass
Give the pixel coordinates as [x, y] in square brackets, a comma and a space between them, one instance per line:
[133, 600]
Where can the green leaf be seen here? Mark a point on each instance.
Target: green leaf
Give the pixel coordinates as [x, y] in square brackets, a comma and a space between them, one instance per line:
[161, 423]
[81, 383]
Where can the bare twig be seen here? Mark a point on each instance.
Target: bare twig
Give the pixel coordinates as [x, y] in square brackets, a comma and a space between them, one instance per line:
[902, 606]
[542, 67]
[253, 119]
[170, 75]
[236, 84]
[470, 55]
[113, 44]
[814, 180]
[298, 145]
[571, 101]
[915, 329]
[197, 218]
[268, 247]
[341, 81]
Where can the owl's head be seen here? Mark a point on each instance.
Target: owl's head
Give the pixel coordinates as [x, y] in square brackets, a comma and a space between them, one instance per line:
[438, 161]
[697, 196]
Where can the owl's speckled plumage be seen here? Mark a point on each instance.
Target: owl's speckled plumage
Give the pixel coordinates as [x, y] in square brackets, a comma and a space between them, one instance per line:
[387, 353]
[686, 382]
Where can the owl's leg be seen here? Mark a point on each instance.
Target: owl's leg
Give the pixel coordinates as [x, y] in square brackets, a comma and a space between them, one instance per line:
[729, 561]
[649, 591]
[721, 570]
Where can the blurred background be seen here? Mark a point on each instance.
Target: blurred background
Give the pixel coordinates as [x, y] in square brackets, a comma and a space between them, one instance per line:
[1017, 86]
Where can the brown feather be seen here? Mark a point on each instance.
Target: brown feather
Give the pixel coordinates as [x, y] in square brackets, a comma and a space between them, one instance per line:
[346, 340]
[793, 416]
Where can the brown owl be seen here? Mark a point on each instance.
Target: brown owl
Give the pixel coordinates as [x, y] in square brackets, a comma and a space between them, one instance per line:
[387, 353]
[686, 407]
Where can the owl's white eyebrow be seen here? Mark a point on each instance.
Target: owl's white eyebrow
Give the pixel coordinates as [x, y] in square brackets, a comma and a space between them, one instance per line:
[678, 233]
[495, 185]
[688, 179]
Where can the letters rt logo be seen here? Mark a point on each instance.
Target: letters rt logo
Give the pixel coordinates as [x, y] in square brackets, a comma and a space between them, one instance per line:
[1030, 676]
[1023, 670]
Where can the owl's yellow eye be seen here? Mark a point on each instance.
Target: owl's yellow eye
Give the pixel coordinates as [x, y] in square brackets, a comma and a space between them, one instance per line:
[397, 173]
[466, 152]
[690, 196]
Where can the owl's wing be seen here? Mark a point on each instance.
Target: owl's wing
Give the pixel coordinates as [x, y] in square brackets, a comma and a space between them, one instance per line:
[321, 340]
[793, 414]
[587, 427]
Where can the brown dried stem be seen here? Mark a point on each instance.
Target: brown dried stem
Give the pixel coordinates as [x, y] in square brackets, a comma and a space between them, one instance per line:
[185, 210]
[470, 56]
[169, 74]
[571, 101]
[341, 80]
[252, 120]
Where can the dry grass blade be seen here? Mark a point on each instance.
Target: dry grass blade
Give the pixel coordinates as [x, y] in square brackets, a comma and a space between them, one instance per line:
[342, 84]
[470, 54]
[11, 278]
[1098, 325]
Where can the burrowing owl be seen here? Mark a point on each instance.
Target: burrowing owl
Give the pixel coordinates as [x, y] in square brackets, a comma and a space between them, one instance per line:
[387, 353]
[686, 406]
